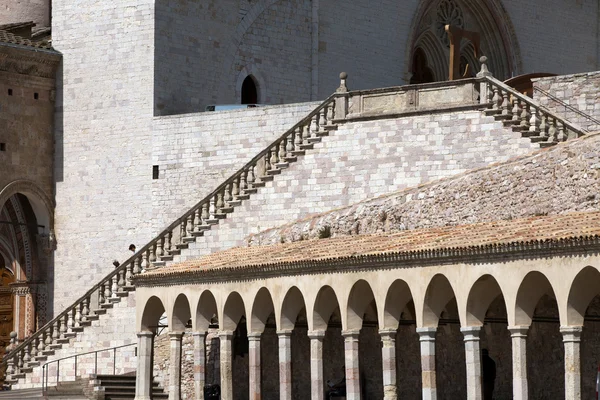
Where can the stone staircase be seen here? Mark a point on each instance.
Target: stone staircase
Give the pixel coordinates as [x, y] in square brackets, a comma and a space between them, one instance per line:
[120, 387]
[496, 99]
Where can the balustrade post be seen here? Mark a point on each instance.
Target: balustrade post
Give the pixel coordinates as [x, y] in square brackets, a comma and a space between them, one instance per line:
[85, 309]
[289, 148]
[282, 148]
[525, 116]
[191, 224]
[515, 110]
[152, 257]
[198, 216]
[484, 88]
[235, 188]
[330, 113]
[561, 136]
[342, 98]
[306, 133]
[205, 212]
[298, 138]
[534, 121]
[252, 176]
[505, 108]
[243, 179]
[496, 99]
[551, 130]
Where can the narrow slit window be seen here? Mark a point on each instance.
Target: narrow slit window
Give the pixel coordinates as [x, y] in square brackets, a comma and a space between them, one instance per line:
[155, 172]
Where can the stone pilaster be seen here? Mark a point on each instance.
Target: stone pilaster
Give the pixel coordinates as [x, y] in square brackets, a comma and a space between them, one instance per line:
[388, 357]
[199, 364]
[285, 364]
[473, 361]
[254, 365]
[175, 365]
[519, 361]
[427, 339]
[143, 381]
[572, 342]
[225, 350]
[352, 365]
[317, 387]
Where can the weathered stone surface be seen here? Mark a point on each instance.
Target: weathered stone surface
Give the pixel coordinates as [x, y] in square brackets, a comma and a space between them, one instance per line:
[553, 181]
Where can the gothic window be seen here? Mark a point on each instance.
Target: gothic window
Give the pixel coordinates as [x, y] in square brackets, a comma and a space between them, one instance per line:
[249, 91]
[448, 13]
[421, 73]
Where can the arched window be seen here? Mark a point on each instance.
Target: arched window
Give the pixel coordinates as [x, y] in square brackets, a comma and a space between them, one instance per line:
[249, 91]
[421, 73]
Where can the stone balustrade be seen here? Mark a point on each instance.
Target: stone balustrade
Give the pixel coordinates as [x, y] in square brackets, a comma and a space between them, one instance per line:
[501, 101]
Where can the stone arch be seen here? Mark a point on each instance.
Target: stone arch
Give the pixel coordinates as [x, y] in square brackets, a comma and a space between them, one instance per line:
[437, 61]
[532, 288]
[292, 306]
[180, 314]
[584, 288]
[262, 308]
[498, 38]
[236, 40]
[206, 311]
[326, 303]
[42, 205]
[398, 297]
[233, 311]
[483, 292]
[360, 300]
[438, 295]
[153, 310]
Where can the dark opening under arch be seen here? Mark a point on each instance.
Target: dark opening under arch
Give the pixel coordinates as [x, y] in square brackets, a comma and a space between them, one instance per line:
[249, 91]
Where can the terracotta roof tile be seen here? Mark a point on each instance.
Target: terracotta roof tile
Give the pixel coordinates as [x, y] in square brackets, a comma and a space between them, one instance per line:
[526, 230]
[7, 37]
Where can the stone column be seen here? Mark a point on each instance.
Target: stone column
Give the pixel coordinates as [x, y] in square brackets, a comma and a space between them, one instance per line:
[427, 339]
[254, 365]
[199, 364]
[572, 342]
[388, 357]
[519, 361]
[473, 361]
[225, 350]
[352, 365]
[143, 381]
[317, 387]
[175, 365]
[285, 364]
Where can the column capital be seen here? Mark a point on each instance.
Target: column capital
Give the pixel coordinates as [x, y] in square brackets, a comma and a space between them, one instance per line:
[351, 334]
[518, 331]
[316, 335]
[388, 332]
[254, 336]
[175, 335]
[146, 334]
[571, 333]
[285, 332]
[201, 334]
[226, 334]
[471, 333]
[427, 334]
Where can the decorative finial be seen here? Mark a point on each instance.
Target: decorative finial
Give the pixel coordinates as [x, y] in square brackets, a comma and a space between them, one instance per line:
[484, 69]
[343, 79]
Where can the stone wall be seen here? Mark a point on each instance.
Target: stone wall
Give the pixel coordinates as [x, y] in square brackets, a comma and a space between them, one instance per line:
[557, 180]
[26, 116]
[113, 329]
[103, 137]
[579, 92]
[37, 11]
[546, 34]
[366, 159]
[195, 153]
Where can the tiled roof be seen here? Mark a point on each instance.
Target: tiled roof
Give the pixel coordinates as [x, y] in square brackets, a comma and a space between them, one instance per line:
[498, 235]
[7, 37]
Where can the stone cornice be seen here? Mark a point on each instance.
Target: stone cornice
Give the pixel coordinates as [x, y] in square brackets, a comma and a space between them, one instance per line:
[504, 252]
[29, 61]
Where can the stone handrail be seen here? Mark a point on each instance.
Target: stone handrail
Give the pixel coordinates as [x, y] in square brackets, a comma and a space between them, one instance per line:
[525, 113]
[175, 237]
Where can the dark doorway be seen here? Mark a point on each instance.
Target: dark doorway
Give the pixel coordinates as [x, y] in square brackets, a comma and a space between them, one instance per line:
[249, 92]
[421, 73]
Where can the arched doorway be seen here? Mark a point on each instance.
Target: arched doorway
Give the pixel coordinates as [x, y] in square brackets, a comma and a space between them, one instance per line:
[429, 39]
[249, 91]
